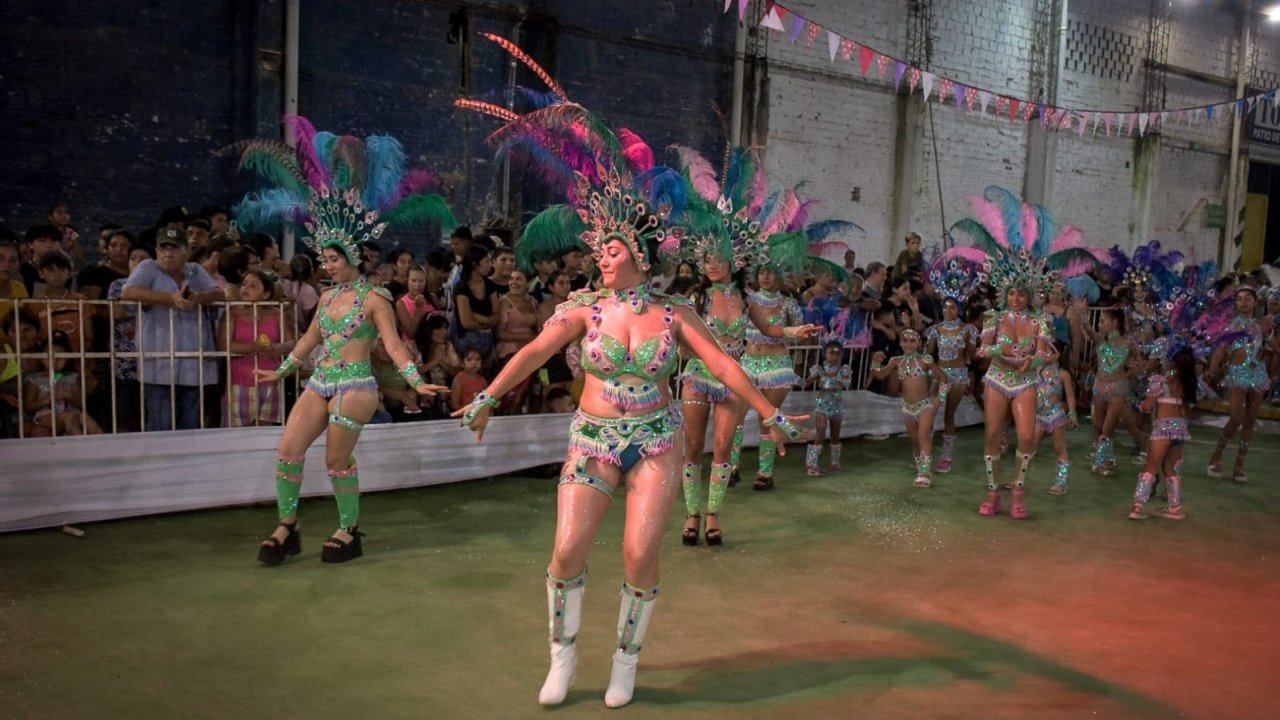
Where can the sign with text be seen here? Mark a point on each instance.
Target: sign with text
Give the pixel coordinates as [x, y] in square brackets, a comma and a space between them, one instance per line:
[1264, 123]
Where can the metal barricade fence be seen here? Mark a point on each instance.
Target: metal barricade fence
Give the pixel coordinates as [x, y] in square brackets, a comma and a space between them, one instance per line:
[39, 398]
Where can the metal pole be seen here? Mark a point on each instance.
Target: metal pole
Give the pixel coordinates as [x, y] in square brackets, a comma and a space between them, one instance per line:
[1228, 254]
[291, 11]
[512, 66]
[739, 73]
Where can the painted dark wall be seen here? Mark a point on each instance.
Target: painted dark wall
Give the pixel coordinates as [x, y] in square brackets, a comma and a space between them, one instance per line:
[119, 109]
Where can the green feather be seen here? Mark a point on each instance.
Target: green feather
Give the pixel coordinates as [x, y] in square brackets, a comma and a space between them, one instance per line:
[275, 162]
[981, 238]
[821, 266]
[548, 235]
[419, 210]
[789, 251]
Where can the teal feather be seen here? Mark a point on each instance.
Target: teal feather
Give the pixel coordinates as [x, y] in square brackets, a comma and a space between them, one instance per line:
[275, 162]
[265, 210]
[387, 165]
[1011, 208]
[819, 231]
[979, 237]
[549, 235]
[420, 210]
[788, 251]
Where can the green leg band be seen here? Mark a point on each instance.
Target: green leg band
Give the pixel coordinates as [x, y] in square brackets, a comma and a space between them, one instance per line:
[346, 490]
[735, 452]
[691, 482]
[719, 484]
[288, 485]
[768, 453]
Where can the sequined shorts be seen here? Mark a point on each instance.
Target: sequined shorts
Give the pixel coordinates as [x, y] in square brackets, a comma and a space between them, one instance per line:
[770, 372]
[958, 377]
[1251, 377]
[1053, 419]
[1173, 429]
[1104, 391]
[699, 380]
[915, 409]
[1009, 383]
[624, 441]
[829, 404]
[327, 381]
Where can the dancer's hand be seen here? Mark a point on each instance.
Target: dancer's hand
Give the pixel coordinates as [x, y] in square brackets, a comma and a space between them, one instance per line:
[781, 436]
[261, 377]
[477, 420]
[423, 388]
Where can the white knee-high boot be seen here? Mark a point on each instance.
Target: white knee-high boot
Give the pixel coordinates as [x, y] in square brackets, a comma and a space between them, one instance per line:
[633, 623]
[564, 611]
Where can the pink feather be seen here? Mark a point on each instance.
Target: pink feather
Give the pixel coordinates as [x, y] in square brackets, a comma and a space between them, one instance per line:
[788, 206]
[1077, 267]
[965, 252]
[1030, 227]
[830, 249]
[637, 152]
[801, 218]
[991, 217]
[759, 192]
[418, 180]
[1071, 237]
[304, 134]
[701, 174]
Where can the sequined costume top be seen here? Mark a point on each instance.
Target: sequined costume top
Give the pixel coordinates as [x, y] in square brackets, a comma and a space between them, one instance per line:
[831, 381]
[607, 358]
[333, 374]
[1112, 355]
[1143, 327]
[781, 311]
[951, 344]
[997, 341]
[1248, 373]
[914, 365]
[1049, 390]
[730, 335]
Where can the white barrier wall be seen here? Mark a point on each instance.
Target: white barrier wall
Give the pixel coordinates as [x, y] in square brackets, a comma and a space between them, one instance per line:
[49, 482]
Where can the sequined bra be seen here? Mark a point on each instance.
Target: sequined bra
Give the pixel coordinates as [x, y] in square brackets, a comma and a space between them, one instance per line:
[1049, 387]
[913, 365]
[831, 378]
[1247, 336]
[731, 335]
[354, 324]
[1111, 357]
[781, 309]
[951, 344]
[607, 358]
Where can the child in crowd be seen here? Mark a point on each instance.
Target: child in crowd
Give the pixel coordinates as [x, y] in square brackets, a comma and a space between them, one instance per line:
[257, 337]
[1171, 395]
[831, 378]
[469, 382]
[1054, 389]
[560, 400]
[916, 372]
[438, 362]
[413, 305]
[53, 395]
[68, 316]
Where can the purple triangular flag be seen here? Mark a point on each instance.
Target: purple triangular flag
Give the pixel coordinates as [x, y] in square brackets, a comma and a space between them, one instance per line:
[959, 93]
[899, 69]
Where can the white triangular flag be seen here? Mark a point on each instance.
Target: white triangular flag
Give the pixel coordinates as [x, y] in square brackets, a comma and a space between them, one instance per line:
[984, 99]
[833, 44]
[1142, 124]
[926, 83]
[772, 21]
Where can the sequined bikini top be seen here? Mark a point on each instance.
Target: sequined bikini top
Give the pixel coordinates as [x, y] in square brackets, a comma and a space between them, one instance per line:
[354, 324]
[1111, 357]
[1247, 336]
[1049, 387]
[832, 378]
[781, 309]
[951, 344]
[913, 365]
[730, 335]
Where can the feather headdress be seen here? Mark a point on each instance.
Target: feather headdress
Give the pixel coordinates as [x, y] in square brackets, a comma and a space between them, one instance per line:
[340, 190]
[955, 278]
[609, 178]
[1020, 245]
[1149, 266]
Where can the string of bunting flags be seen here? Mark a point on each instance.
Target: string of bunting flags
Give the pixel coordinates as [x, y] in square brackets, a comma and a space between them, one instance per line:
[865, 59]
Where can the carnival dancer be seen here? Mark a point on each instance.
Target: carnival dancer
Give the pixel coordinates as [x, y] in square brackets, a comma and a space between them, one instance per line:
[1117, 360]
[1056, 412]
[628, 429]
[1237, 358]
[953, 342]
[916, 373]
[768, 360]
[830, 378]
[342, 192]
[1171, 394]
[1023, 252]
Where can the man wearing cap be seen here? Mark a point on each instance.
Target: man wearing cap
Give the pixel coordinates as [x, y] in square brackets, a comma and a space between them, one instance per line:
[171, 285]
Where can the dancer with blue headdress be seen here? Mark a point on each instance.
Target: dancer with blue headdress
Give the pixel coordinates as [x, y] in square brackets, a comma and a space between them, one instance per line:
[953, 342]
[339, 192]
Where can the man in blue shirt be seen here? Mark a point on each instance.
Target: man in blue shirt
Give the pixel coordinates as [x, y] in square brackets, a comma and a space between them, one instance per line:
[169, 285]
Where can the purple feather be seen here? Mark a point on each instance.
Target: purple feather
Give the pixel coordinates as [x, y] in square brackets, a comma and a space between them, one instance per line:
[304, 134]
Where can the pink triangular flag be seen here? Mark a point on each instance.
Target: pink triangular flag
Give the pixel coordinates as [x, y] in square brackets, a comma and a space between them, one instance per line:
[772, 20]
[926, 82]
[1082, 124]
[944, 89]
[984, 99]
[970, 99]
[1065, 120]
[1130, 119]
[727, 5]
[833, 44]
[882, 65]
[814, 28]
[847, 47]
[1106, 119]
[742, 10]
[865, 56]
[913, 80]
[1027, 109]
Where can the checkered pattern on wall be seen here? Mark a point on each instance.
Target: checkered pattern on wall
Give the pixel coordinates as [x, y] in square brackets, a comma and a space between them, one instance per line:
[1101, 51]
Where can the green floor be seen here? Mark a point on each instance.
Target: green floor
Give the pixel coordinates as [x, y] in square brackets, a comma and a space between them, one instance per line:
[847, 595]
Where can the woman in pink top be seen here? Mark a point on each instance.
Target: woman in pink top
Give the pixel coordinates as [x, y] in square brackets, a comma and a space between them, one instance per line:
[257, 337]
[413, 305]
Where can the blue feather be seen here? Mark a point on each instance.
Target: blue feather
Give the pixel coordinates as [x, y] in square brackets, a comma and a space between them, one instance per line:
[820, 230]
[1085, 287]
[738, 176]
[387, 165]
[664, 186]
[521, 98]
[324, 143]
[1048, 229]
[1011, 206]
[770, 204]
[535, 157]
[265, 210]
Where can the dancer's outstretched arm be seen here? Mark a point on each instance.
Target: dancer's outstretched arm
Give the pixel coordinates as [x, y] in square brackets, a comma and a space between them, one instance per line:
[384, 319]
